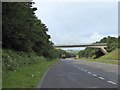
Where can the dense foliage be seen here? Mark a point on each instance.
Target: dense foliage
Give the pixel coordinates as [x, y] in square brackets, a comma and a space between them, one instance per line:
[25, 37]
[23, 31]
[112, 43]
[13, 60]
[23, 69]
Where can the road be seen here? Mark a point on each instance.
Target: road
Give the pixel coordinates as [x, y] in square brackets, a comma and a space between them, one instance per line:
[80, 74]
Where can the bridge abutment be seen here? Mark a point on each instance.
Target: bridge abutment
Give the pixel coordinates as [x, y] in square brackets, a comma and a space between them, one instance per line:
[102, 48]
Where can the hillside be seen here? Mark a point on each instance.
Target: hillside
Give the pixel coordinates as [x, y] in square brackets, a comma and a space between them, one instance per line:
[73, 51]
[111, 42]
[110, 58]
[112, 55]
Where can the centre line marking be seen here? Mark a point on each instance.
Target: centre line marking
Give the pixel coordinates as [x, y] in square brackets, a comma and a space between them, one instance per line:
[94, 74]
[89, 73]
[81, 69]
[75, 66]
[111, 82]
[101, 78]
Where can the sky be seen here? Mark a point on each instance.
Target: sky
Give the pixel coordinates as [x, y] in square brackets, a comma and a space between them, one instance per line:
[78, 22]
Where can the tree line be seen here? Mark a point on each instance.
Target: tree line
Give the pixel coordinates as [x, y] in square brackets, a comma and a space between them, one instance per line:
[22, 31]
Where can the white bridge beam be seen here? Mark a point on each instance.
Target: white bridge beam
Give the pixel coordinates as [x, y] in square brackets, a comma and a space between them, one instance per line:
[101, 46]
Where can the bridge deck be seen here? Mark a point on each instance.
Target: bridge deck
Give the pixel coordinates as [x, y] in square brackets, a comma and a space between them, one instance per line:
[64, 46]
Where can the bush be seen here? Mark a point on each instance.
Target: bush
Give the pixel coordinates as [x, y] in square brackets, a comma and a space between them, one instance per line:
[13, 60]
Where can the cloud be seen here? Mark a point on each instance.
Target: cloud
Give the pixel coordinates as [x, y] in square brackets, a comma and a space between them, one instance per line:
[77, 23]
[95, 37]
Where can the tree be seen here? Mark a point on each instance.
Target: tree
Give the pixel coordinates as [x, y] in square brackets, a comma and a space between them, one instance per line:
[23, 31]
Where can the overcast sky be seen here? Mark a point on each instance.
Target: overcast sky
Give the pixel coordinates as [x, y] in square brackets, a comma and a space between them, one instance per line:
[78, 22]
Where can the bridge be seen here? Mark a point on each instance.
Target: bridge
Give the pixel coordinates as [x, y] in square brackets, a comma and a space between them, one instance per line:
[101, 46]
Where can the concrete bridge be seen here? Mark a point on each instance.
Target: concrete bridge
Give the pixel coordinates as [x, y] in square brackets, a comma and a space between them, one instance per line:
[101, 46]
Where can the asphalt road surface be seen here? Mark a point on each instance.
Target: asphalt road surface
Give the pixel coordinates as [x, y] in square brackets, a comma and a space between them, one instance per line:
[80, 74]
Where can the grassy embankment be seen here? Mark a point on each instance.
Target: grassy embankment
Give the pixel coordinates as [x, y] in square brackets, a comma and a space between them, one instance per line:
[110, 58]
[23, 74]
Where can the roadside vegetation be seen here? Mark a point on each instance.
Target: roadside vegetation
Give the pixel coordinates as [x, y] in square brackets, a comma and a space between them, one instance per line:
[112, 55]
[27, 51]
[95, 55]
[23, 70]
[112, 44]
[23, 31]
[110, 58]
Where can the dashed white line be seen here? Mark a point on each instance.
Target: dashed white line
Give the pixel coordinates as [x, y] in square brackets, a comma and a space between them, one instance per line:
[111, 82]
[89, 73]
[94, 74]
[81, 69]
[101, 78]
[75, 66]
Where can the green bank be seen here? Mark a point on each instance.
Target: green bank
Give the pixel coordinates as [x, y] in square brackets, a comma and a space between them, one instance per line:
[110, 58]
[23, 70]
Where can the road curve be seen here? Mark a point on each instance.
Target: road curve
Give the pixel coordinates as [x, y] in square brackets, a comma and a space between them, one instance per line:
[80, 74]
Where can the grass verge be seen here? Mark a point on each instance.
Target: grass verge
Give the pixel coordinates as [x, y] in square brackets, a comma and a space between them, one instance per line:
[27, 77]
[104, 61]
[110, 58]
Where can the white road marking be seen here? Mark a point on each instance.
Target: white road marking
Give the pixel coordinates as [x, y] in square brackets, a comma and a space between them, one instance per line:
[75, 66]
[94, 74]
[111, 82]
[101, 78]
[85, 70]
[81, 69]
[89, 73]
